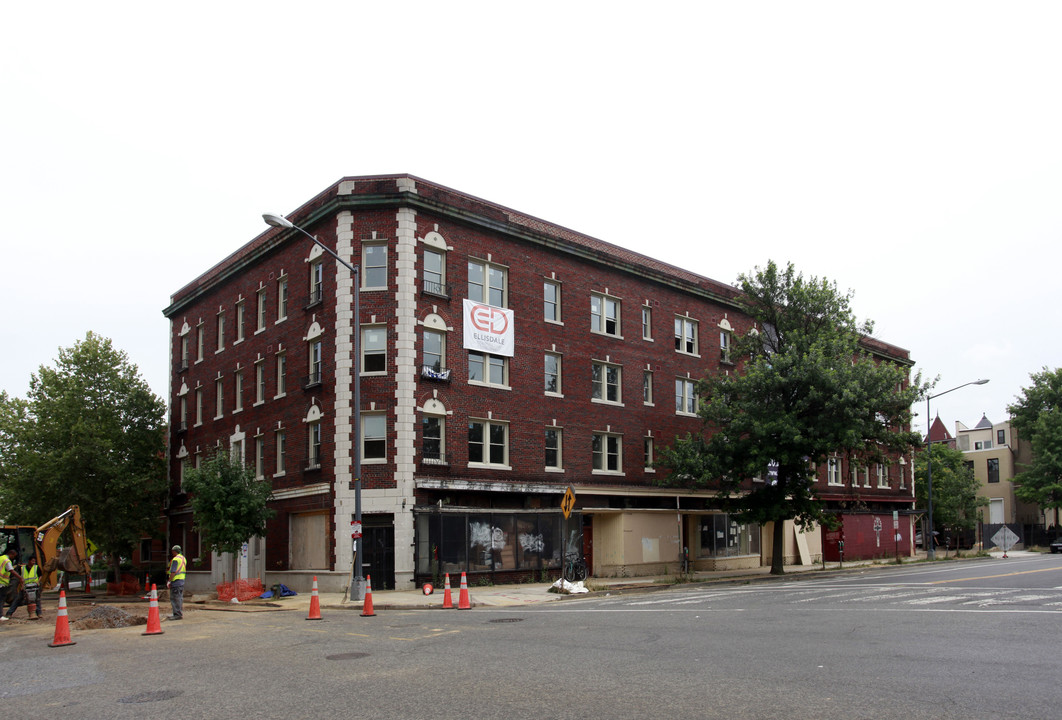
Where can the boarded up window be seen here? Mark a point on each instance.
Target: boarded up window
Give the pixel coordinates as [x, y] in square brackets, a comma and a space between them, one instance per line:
[309, 541]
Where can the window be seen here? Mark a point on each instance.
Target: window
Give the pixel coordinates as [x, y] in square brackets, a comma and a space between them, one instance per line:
[647, 387]
[833, 471]
[259, 382]
[487, 369]
[374, 266]
[993, 470]
[685, 396]
[373, 437]
[221, 331]
[282, 371]
[723, 536]
[554, 455]
[647, 322]
[605, 315]
[434, 350]
[200, 334]
[313, 451]
[551, 301]
[1001, 437]
[553, 374]
[650, 448]
[314, 364]
[261, 323]
[316, 281]
[374, 349]
[259, 457]
[219, 398]
[607, 449]
[488, 443]
[199, 406]
[901, 474]
[724, 346]
[435, 273]
[859, 472]
[184, 352]
[240, 312]
[238, 395]
[184, 412]
[606, 383]
[883, 477]
[281, 438]
[686, 335]
[487, 283]
[433, 437]
[282, 298]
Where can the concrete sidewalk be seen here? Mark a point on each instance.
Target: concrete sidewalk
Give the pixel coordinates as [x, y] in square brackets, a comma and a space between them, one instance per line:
[537, 593]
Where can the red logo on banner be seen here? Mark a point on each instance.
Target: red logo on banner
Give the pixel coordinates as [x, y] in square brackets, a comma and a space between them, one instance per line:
[489, 319]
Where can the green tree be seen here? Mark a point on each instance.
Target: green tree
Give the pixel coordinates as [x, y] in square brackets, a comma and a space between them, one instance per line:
[955, 487]
[1037, 416]
[805, 389]
[90, 433]
[228, 503]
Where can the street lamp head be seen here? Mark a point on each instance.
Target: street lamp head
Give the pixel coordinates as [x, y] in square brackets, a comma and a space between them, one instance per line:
[980, 382]
[282, 222]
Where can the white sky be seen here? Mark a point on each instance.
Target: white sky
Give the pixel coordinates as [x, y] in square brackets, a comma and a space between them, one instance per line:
[910, 151]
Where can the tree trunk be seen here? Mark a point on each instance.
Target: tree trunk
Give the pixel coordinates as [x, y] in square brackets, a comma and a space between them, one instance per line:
[778, 549]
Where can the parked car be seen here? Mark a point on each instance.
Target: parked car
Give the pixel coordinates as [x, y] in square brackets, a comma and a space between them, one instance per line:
[1056, 546]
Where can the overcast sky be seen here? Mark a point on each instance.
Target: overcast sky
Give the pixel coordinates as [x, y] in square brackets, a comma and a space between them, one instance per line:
[909, 151]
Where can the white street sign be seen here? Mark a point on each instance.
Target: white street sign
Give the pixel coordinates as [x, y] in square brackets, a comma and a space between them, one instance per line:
[1004, 539]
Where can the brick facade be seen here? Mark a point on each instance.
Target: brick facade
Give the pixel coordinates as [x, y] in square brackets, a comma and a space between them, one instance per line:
[386, 225]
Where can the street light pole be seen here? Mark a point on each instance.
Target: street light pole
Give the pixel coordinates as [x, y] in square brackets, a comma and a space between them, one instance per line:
[930, 550]
[357, 586]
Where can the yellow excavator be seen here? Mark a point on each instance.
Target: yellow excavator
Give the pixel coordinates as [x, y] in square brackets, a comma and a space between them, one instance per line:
[43, 542]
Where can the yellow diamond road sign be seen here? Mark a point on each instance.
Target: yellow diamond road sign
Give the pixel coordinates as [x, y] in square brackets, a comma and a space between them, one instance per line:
[568, 503]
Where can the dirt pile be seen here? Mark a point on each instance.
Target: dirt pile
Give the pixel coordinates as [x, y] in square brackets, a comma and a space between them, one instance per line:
[104, 616]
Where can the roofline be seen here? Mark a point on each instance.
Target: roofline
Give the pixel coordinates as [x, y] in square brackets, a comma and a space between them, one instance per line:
[442, 200]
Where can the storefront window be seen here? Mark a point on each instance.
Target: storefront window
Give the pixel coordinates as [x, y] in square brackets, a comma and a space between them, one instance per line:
[452, 542]
[723, 536]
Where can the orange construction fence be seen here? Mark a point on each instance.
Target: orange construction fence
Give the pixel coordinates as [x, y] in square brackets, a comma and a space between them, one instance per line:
[241, 590]
[128, 585]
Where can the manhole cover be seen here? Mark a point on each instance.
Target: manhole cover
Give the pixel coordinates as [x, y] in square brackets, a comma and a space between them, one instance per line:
[151, 696]
[505, 620]
[347, 656]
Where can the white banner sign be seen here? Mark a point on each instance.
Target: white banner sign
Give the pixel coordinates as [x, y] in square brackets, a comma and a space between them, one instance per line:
[488, 329]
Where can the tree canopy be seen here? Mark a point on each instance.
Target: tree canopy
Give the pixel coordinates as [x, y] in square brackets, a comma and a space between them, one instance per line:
[229, 504]
[955, 488]
[90, 433]
[1037, 416]
[804, 390]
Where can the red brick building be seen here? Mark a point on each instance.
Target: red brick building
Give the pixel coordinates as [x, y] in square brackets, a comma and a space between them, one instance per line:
[502, 360]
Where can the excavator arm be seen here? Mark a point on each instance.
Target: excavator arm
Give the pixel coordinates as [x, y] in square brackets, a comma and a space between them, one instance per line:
[74, 559]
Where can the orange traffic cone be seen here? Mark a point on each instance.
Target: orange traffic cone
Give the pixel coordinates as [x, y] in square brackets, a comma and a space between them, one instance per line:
[366, 608]
[154, 625]
[448, 599]
[462, 600]
[315, 602]
[62, 625]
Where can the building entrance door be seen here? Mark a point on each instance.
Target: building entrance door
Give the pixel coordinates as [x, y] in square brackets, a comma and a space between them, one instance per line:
[378, 544]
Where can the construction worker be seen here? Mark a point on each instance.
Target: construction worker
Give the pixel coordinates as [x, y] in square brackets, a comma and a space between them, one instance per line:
[31, 575]
[10, 591]
[176, 583]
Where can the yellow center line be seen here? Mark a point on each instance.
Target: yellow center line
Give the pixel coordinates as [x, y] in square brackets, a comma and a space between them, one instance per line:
[989, 577]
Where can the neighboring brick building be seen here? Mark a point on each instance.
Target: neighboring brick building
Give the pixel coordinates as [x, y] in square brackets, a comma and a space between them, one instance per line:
[466, 453]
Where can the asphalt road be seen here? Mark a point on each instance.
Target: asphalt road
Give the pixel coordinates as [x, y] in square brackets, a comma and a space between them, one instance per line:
[948, 640]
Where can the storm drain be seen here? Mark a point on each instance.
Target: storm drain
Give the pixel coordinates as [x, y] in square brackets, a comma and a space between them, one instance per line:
[151, 696]
[506, 620]
[347, 656]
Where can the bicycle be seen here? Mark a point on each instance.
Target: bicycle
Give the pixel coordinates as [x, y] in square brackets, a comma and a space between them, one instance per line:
[574, 568]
